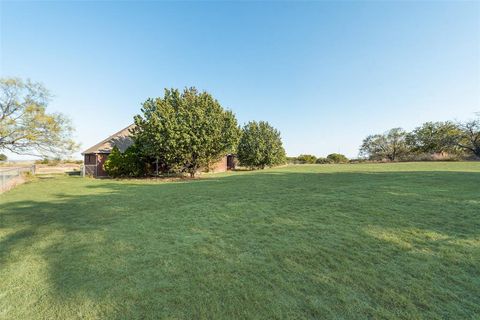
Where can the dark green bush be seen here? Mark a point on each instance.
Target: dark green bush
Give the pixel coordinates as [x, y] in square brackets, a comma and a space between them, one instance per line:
[127, 164]
[306, 158]
[337, 158]
[291, 160]
[324, 161]
[3, 157]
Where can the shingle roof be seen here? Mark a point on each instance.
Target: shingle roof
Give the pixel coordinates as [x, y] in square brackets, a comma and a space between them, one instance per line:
[122, 139]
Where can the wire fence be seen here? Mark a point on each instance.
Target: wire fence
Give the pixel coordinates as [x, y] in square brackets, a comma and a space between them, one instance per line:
[8, 175]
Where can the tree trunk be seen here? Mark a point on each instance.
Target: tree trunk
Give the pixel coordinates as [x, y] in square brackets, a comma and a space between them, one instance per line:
[477, 152]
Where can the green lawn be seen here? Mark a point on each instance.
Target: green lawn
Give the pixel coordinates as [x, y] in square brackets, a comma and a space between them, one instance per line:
[383, 241]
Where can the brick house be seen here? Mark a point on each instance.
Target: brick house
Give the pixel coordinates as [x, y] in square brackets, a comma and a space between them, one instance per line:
[95, 156]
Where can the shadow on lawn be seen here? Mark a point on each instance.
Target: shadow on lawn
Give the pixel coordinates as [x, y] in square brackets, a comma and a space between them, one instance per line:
[209, 246]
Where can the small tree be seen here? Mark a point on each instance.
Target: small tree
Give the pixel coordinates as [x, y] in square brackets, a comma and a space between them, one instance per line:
[337, 158]
[3, 157]
[185, 130]
[307, 158]
[260, 146]
[26, 127]
[391, 145]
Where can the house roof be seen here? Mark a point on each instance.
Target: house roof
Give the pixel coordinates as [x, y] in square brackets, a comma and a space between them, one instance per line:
[122, 140]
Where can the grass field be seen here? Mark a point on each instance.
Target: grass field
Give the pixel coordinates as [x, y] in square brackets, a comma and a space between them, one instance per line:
[383, 241]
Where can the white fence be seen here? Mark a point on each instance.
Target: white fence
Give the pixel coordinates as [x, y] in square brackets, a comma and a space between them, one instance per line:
[8, 174]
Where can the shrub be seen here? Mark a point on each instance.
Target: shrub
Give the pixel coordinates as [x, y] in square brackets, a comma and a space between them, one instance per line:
[323, 161]
[127, 164]
[306, 158]
[360, 160]
[291, 160]
[433, 157]
[3, 157]
[337, 158]
[43, 161]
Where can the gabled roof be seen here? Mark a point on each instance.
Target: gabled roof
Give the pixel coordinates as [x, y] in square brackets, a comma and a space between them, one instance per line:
[122, 140]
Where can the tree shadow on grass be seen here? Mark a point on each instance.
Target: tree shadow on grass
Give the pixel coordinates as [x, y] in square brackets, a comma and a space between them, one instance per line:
[265, 245]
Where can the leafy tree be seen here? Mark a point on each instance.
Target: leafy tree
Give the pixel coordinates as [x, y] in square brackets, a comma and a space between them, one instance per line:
[391, 145]
[185, 130]
[26, 127]
[3, 157]
[127, 164]
[260, 146]
[307, 158]
[337, 158]
[323, 161]
[434, 137]
[469, 136]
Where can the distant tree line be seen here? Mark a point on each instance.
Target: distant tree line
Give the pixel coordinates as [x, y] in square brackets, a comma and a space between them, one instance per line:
[430, 141]
[188, 131]
[311, 159]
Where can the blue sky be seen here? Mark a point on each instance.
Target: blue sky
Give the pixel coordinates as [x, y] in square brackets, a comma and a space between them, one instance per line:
[326, 74]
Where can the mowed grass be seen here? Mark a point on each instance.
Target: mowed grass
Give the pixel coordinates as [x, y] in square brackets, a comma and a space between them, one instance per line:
[385, 241]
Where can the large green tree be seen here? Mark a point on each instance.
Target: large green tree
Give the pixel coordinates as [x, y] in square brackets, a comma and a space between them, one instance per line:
[390, 145]
[434, 137]
[26, 127]
[185, 130]
[260, 146]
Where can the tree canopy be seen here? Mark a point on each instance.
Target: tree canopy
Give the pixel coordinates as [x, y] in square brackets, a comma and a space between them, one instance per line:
[307, 158]
[457, 139]
[337, 158]
[434, 137]
[260, 146]
[390, 145]
[185, 131]
[469, 136]
[26, 127]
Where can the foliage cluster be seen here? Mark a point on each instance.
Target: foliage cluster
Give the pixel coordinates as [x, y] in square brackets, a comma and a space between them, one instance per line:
[430, 141]
[126, 164]
[311, 159]
[337, 158]
[188, 131]
[306, 159]
[260, 146]
[25, 125]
